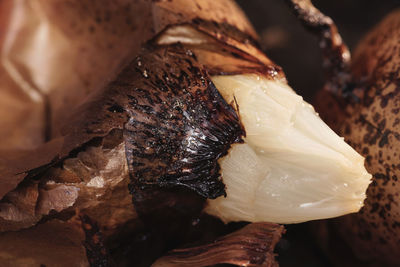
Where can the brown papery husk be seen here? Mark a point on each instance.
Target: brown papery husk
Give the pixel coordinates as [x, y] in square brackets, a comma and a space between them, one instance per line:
[94, 180]
[371, 126]
[82, 48]
[253, 245]
[222, 48]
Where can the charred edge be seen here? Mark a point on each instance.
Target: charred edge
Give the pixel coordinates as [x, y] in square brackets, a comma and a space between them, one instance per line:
[251, 246]
[179, 124]
[95, 250]
[335, 53]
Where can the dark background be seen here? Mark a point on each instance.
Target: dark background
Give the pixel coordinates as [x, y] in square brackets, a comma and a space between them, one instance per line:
[294, 49]
[285, 41]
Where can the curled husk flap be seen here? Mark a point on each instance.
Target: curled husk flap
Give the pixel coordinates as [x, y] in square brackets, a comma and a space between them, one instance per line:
[94, 180]
[252, 245]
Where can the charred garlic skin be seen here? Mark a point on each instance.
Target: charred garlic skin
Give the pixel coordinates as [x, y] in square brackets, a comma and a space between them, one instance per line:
[178, 124]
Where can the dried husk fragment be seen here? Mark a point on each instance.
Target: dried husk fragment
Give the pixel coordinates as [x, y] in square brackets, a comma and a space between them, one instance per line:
[94, 180]
[252, 245]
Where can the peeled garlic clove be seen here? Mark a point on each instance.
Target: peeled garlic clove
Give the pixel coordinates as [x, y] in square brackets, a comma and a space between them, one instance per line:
[292, 166]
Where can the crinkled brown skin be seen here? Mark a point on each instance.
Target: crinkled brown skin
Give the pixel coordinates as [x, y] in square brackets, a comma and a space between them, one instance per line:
[253, 245]
[81, 49]
[372, 127]
[95, 180]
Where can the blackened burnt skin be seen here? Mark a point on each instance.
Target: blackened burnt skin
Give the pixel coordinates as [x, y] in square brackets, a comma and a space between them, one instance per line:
[179, 125]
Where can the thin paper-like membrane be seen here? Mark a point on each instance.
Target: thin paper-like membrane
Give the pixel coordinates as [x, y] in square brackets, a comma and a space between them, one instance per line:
[52, 55]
